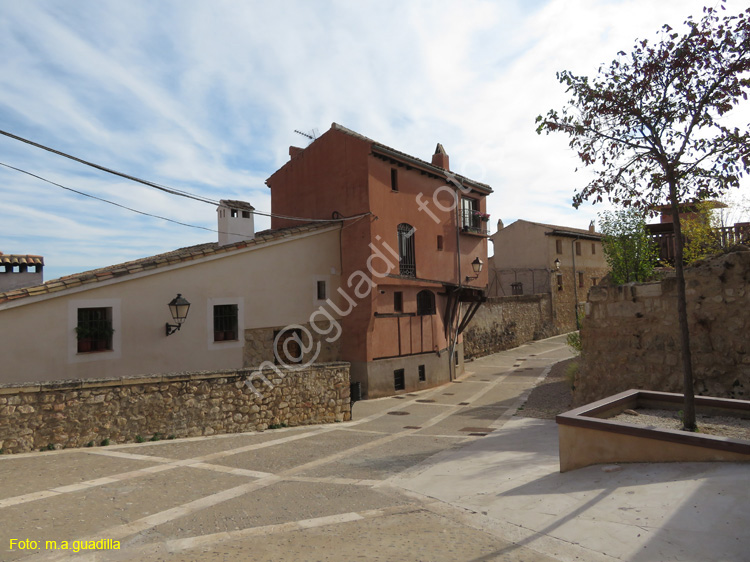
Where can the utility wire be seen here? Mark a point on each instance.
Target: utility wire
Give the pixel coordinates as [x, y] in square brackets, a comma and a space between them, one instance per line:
[110, 171]
[169, 190]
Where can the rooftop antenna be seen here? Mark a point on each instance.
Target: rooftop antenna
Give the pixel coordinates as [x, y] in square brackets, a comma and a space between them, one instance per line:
[312, 135]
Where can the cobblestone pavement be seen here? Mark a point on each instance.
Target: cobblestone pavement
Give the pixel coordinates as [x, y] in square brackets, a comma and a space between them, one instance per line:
[304, 494]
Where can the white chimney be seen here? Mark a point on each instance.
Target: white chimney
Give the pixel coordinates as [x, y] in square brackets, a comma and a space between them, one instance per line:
[236, 221]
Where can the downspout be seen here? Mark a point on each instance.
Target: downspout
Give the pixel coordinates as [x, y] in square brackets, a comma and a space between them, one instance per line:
[454, 336]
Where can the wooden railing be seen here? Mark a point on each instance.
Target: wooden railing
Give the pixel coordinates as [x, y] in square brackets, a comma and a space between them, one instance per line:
[726, 237]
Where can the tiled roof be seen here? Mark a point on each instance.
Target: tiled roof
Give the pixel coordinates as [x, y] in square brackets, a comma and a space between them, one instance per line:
[233, 204]
[18, 259]
[154, 262]
[566, 230]
[408, 157]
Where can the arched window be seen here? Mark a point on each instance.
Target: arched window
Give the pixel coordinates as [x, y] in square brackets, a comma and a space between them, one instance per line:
[425, 303]
[406, 254]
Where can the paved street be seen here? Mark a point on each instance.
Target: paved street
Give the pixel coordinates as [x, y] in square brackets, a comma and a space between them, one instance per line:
[308, 493]
[448, 474]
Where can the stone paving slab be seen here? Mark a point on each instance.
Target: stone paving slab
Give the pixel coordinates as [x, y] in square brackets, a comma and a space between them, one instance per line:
[200, 446]
[43, 471]
[416, 536]
[77, 515]
[295, 453]
[300, 501]
[384, 460]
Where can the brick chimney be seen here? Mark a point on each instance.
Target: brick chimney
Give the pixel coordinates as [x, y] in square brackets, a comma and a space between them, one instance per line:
[440, 158]
[294, 151]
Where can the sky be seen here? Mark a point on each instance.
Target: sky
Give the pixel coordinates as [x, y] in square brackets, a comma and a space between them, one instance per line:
[205, 97]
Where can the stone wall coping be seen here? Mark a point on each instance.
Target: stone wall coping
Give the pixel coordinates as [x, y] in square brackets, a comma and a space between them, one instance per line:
[516, 298]
[595, 414]
[82, 384]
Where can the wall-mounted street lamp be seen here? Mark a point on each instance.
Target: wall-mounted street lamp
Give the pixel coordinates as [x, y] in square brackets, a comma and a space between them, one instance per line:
[476, 265]
[557, 264]
[178, 307]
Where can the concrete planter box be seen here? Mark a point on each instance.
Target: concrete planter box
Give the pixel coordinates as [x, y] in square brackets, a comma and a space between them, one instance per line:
[587, 437]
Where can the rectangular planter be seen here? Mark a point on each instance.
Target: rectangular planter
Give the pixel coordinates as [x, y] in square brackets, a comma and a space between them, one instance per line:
[587, 437]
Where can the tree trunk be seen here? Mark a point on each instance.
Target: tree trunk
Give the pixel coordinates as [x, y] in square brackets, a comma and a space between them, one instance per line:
[688, 418]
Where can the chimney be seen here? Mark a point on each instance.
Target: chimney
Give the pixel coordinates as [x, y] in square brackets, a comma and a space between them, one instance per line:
[592, 227]
[294, 151]
[235, 221]
[440, 158]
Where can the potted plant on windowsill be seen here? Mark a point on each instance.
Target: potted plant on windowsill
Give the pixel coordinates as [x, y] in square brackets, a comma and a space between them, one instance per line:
[93, 337]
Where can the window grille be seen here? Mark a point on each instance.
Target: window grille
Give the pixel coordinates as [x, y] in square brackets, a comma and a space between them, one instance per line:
[406, 252]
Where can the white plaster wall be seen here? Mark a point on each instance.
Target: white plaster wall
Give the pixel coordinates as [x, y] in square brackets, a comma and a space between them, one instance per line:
[272, 283]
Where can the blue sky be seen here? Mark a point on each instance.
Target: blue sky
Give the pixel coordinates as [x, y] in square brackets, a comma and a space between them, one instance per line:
[205, 97]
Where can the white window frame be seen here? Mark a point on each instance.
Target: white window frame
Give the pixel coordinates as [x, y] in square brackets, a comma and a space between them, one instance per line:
[240, 341]
[116, 351]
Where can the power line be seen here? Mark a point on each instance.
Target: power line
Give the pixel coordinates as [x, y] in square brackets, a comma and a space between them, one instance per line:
[110, 171]
[105, 200]
[166, 189]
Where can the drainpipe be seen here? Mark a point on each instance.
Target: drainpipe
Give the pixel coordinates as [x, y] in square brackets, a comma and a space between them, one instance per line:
[454, 336]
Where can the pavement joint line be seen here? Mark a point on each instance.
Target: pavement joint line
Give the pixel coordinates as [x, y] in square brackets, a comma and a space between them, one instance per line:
[177, 545]
[334, 480]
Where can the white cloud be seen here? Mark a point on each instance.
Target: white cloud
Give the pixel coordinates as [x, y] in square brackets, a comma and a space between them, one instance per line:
[205, 97]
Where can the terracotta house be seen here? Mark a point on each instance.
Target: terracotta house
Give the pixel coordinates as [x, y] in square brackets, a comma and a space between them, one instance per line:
[413, 253]
[532, 258]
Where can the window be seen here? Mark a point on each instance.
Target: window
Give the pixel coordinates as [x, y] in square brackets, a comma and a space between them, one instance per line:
[578, 248]
[399, 381]
[225, 322]
[470, 214]
[94, 329]
[516, 288]
[440, 242]
[245, 214]
[398, 301]
[321, 290]
[406, 254]
[422, 374]
[394, 179]
[580, 279]
[558, 246]
[288, 349]
[594, 280]
[593, 249]
[559, 283]
[233, 212]
[425, 303]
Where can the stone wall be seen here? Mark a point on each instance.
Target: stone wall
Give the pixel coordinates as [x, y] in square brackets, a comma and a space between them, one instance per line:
[505, 322]
[259, 346]
[630, 333]
[88, 412]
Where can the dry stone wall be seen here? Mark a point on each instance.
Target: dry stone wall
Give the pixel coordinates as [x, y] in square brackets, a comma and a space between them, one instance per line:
[630, 333]
[506, 322]
[90, 412]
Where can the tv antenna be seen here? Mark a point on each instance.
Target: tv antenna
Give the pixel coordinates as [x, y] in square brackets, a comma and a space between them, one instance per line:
[312, 135]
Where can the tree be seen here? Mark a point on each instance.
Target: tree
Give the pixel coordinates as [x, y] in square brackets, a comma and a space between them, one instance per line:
[700, 229]
[630, 252]
[652, 125]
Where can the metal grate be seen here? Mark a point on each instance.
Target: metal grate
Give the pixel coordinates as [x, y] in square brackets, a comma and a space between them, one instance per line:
[225, 322]
[406, 252]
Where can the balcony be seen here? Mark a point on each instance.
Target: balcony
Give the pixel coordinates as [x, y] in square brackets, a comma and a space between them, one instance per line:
[474, 222]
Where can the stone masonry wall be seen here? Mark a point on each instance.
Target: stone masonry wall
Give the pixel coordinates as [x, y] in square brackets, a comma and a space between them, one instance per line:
[630, 333]
[79, 413]
[505, 322]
